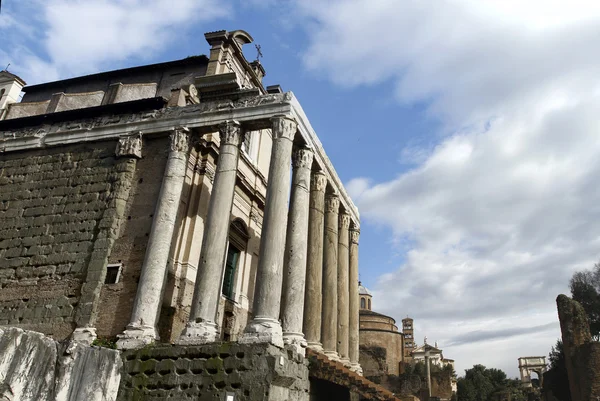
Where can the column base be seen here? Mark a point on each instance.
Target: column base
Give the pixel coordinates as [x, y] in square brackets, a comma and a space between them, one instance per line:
[296, 341]
[317, 346]
[345, 361]
[84, 335]
[136, 336]
[198, 333]
[333, 355]
[355, 367]
[263, 330]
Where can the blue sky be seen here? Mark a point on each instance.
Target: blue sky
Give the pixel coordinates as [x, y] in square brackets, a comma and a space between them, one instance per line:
[466, 132]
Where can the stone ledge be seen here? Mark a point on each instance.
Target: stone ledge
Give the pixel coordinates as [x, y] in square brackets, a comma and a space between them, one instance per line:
[321, 367]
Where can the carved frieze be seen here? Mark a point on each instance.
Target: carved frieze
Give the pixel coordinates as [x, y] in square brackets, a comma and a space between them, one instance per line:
[318, 181]
[332, 203]
[283, 127]
[180, 139]
[130, 146]
[302, 157]
[231, 133]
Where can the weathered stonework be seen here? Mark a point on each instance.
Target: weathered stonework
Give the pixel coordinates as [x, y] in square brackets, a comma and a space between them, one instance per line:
[582, 355]
[209, 372]
[57, 208]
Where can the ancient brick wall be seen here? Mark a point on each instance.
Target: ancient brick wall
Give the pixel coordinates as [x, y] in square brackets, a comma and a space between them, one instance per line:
[209, 372]
[391, 342]
[53, 205]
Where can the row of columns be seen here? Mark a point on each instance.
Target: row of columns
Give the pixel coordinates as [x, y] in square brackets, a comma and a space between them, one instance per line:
[306, 291]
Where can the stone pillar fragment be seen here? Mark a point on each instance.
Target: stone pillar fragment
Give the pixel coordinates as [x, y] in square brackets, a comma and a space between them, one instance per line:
[265, 326]
[141, 329]
[354, 302]
[314, 268]
[330, 277]
[201, 327]
[343, 308]
[294, 274]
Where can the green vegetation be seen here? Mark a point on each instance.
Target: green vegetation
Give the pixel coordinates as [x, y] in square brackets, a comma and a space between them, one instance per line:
[483, 384]
[105, 342]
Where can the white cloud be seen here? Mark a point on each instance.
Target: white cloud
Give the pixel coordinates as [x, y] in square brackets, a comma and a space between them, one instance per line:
[505, 207]
[84, 36]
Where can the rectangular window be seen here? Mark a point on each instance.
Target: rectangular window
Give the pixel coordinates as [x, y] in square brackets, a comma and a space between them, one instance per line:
[247, 145]
[233, 255]
[113, 273]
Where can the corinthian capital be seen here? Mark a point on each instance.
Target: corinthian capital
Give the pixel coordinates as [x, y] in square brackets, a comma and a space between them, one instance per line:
[332, 203]
[302, 157]
[180, 139]
[130, 146]
[344, 220]
[283, 127]
[230, 133]
[354, 234]
[318, 181]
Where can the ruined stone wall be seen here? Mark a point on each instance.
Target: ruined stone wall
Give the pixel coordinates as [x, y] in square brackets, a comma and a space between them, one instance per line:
[209, 372]
[57, 209]
[582, 355]
[390, 341]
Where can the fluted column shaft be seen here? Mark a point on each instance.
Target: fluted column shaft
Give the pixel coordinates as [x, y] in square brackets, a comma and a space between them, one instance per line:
[265, 326]
[142, 327]
[342, 288]
[354, 301]
[294, 273]
[314, 268]
[201, 327]
[330, 277]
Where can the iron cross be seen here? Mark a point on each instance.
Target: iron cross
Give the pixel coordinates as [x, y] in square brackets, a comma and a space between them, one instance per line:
[258, 55]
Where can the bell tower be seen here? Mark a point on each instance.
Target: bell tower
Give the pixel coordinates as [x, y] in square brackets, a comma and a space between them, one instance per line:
[10, 88]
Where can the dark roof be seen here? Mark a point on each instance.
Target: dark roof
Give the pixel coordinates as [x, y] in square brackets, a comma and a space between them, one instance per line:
[107, 74]
[370, 312]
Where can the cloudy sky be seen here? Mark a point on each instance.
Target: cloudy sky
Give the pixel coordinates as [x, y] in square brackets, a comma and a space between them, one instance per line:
[465, 130]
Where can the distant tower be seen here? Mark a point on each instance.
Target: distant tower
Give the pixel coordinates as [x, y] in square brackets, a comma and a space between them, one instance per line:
[10, 89]
[409, 337]
[365, 297]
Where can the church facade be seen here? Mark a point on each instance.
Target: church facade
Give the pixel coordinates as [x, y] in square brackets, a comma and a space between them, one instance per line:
[178, 203]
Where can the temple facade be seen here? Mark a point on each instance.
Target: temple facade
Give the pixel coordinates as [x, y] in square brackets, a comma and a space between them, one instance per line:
[182, 203]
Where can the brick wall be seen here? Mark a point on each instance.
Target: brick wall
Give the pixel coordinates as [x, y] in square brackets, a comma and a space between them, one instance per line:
[51, 204]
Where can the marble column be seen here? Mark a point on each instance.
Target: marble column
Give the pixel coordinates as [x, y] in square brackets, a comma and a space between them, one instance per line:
[314, 268]
[354, 302]
[141, 329]
[201, 327]
[265, 326]
[294, 273]
[343, 308]
[330, 277]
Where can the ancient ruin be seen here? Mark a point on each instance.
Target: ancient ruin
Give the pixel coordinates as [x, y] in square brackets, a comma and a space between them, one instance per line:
[529, 365]
[151, 206]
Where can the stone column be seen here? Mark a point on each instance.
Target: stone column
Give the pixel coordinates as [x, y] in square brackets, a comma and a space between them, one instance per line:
[330, 277]
[141, 329]
[314, 268]
[294, 274]
[354, 302]
[201, 327]
[343, 308]
[265, 326]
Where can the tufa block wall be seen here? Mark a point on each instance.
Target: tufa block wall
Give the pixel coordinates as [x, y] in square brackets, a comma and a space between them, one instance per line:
[208, 372]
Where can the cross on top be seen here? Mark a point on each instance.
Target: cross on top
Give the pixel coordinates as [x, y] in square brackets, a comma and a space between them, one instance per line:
[258, 52]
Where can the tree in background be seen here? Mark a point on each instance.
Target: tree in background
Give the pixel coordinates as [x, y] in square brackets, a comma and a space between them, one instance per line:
[556, 379]
[483, 384]
[585, 289]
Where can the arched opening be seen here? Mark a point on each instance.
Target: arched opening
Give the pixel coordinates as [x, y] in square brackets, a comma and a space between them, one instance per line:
[238, 240]
[362, 303]
[369, 304]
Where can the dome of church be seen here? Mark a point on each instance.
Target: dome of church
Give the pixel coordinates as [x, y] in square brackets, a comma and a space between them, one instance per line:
[362, 290]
